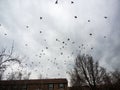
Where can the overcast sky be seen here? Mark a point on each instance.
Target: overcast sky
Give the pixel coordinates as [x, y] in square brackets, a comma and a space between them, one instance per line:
[51, 35]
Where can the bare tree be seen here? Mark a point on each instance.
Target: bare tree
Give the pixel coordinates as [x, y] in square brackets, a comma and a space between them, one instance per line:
[26, 75]
[5, 59]
[116, 77]
[19, 75]
[87, 72]
[40, 76]
[76, 80]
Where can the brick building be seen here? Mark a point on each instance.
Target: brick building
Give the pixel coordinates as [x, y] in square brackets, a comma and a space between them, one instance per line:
[35, 84]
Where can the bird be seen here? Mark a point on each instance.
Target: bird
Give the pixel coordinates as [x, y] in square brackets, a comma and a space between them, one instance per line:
[40, 17]
[72, 2]
[63, 42]
[104, 36]
[91, 48]
[46, 47]
[5, 34]
[68, 39]
[40, 31]
[61, 53]
[27, 26]
[105, 17]
[26, 44]
[56, 2]
[57, 40]
[75, 16]
[62, 46]
[73, 42]
[90, 34]
[88, 20]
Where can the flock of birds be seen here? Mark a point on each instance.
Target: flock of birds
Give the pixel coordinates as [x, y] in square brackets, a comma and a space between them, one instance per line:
[54, 62]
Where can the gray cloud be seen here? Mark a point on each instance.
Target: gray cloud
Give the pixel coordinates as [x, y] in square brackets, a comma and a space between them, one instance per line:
[58, 22]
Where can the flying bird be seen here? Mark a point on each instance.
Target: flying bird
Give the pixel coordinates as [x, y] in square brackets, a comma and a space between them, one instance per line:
[73, 42]
[75, 16]
[40, 17]
[104, 36]
[27, 26]
[72, 2]
[61, 53]
[46, 47]
[56, 2]
[26, 44]
[5, 34]
[65, 43]
[57, 40]
[91, 48]
[88, 20]
[68, 39]
[40, 31]
[90, 34]
[105, 17]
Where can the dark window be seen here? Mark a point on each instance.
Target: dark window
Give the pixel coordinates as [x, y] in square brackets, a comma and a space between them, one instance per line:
[61, 85]
[15, 88]
[50, 86]
[24, 87]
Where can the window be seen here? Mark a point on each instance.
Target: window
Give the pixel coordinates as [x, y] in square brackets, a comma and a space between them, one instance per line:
[50, 86]
[24, 87]
[15, 88]
[37, 89]
[61, 86]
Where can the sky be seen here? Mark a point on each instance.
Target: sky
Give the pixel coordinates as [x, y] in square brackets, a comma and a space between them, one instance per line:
[50, 35]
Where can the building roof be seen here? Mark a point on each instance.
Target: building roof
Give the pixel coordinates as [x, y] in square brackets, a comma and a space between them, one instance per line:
[34, 81]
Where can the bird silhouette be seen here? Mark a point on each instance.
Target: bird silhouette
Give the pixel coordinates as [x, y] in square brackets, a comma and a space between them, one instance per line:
[40, 17]
[40, 31]
[88, 20]
[5, 34]
[68, 39]
[63, 42]
[105, 17]
[61, 53]
[75, 16]
[73, 42]
[46, 47]
[56, 2]
[27, 26]
[90, 34]
[104, 36]
[26, 44]
[91, 48]
[72, 2]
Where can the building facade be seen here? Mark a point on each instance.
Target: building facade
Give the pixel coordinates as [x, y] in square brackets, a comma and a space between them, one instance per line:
[36, 84]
